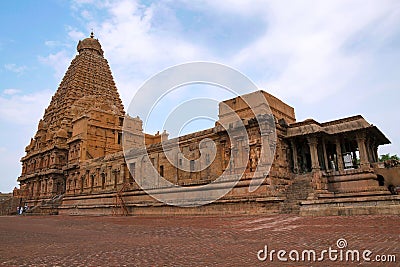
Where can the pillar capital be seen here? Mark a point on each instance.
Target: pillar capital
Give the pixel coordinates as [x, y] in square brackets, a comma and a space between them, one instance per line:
[360, 136]
[312, 140]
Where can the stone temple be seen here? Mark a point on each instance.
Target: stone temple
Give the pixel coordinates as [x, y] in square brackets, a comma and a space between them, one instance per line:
[74, 164]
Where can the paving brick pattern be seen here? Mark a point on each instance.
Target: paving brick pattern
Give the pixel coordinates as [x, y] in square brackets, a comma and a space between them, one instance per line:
[188, 241]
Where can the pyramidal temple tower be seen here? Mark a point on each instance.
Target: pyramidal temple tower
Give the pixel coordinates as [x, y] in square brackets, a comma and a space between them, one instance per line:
[82, 122]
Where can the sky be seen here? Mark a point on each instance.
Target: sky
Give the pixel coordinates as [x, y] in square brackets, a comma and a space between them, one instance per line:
[327, 59]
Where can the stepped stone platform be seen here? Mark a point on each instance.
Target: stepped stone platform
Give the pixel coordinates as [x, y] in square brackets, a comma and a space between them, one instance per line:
[350, 205]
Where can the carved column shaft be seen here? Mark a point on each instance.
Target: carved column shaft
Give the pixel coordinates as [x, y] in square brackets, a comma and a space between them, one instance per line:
[312, 142]
[339, 154]
[294, 154]
[122, 173]
[362, 149]
[325, 155]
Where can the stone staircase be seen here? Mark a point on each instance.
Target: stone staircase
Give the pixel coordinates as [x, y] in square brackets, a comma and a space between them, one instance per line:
[46, 207]
[295, 193]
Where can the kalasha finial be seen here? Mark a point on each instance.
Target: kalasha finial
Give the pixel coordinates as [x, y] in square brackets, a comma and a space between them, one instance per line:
[91, 34]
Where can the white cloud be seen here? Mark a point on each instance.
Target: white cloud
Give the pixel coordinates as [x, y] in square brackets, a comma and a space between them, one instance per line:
[129, 34]
[303, 47]
[136, 46]
[237, 7]
[84, 1]
[23, 109]
[15, 68]
[74, 34]
[301, 53]
[51, 43]
[86, 14]
[11, 91]
[59, 61]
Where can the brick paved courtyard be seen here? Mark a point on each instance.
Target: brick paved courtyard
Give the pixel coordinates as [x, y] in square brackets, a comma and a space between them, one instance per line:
[191, 241]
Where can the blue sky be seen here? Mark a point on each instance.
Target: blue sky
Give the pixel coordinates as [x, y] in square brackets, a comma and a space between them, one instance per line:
[328, 59]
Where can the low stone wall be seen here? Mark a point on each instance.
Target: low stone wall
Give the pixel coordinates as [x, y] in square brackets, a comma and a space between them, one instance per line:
[368, 205]
[139, 203]
[259, 206]
[9, 206]
[265, 200]
[391, 175]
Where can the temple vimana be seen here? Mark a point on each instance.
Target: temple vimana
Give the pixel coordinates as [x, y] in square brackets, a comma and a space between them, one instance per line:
[75, 163]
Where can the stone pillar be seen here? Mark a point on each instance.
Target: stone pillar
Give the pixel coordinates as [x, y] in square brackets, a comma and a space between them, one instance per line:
[56, 161]
[325, 155]
[91, 182]
[339, 154]
[45, 186]
[312, 142]
[35, 187]
[39, 187]
[360, 137]
[122, 173]
[50, 188]
[39, 162]
[240, 154]
[82, 182]
[71, 183]
[222, 153]
[76, 183]
[68, 183]
[375, 151]
[371, 151]
[115, 177]
[109, 174]
[32, 189]
[97, 177]
[232, 162]
[294, 155]
[86, 184]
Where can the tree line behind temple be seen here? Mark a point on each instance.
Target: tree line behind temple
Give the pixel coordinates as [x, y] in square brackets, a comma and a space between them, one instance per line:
[386, 157]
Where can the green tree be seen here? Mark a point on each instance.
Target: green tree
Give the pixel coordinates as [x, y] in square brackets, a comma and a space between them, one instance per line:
[388, 157]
